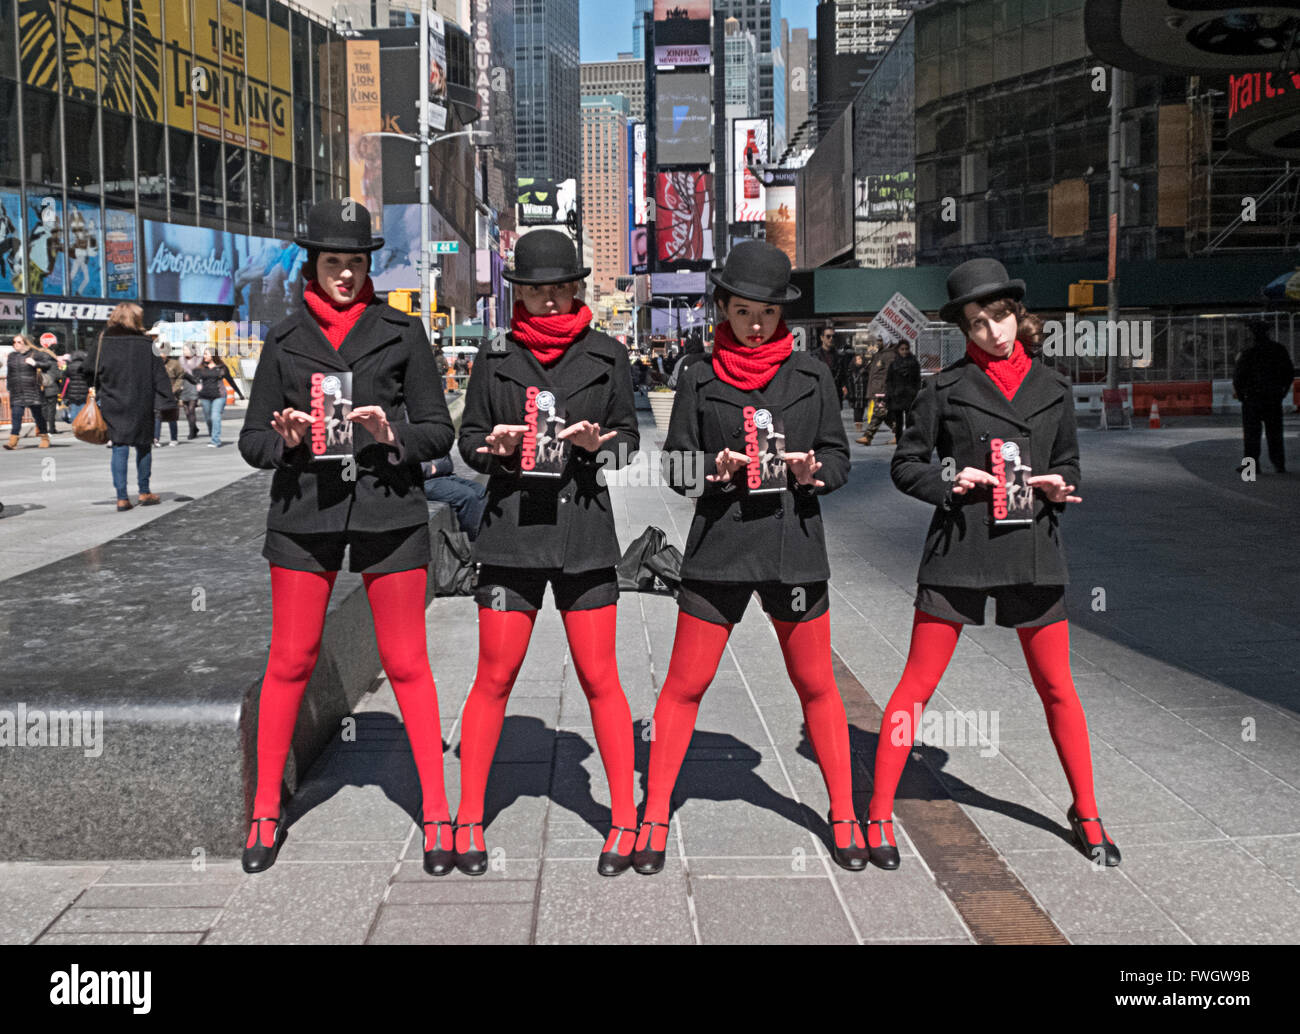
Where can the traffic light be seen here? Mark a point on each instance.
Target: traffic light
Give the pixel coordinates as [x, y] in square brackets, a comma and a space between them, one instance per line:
[405, 300]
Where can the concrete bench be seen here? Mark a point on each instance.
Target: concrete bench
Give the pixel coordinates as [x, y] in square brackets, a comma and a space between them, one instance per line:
[128, 704]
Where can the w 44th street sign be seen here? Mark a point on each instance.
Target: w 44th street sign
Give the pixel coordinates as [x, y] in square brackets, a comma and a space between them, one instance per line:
[444, 247]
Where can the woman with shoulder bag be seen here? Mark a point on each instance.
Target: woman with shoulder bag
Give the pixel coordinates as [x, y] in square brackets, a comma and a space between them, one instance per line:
[23, 368]
[346, 481]
[760, 424]
[987, 413]
[547, 407]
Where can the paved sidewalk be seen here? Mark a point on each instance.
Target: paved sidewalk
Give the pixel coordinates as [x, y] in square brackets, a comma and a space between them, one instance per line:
[1209, 822]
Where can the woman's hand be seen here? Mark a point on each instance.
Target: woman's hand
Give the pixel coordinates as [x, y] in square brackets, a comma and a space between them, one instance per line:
[586, 435]
[971, 477]
[1054, 487]
[503, 440]
[291, 425]
[30, 361]
[804, 467]
[728, 461]
[375, 421]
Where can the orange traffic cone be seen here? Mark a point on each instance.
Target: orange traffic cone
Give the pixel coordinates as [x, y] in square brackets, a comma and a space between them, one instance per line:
[1154, 421]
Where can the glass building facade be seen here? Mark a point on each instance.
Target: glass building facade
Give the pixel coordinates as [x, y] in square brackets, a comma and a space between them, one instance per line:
[153, 150]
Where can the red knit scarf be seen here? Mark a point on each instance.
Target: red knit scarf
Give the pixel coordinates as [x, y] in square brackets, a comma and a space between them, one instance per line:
[548, 337]
[336, 320]
[1006, 373]
[750, 368]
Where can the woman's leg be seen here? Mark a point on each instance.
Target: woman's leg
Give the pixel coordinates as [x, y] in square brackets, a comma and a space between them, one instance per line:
[591, 636]
[157, 425]
[218, 407]
[143, 468]
[933, 641]
[1047, 652]
[171, 426]
[397, 603]
[502, 643]
[806, 646]
[38, 417]
[190, 406]
[206, 406]
[117, 465]
[298, 603]
[697, 648]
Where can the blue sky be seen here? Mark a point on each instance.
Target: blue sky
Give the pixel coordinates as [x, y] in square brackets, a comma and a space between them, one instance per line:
[607, 25]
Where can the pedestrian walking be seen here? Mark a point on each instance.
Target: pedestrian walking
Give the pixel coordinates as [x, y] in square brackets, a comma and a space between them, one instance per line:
[212, 376]
[762, 423]
[969, 413]
[370, 504]
[547, 407]
[856, 389]
[130, 381]
[51, 379]
[1263, 376]
[75, 390]
[169, 413]
[189, 397]
[25, 368]
[902, 382]
[877, 373]
[836, 360]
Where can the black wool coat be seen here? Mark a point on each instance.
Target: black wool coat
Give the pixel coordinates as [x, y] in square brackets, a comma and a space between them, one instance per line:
[957, 414]
[392, 366]
[130, 383]
[76, 376]
[21, 378]
[566, 522]
[736, 536]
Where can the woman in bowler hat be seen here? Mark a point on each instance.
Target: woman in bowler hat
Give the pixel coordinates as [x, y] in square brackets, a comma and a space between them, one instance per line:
[754, 533]
[370, 503]
[995, 392]
[547, 406]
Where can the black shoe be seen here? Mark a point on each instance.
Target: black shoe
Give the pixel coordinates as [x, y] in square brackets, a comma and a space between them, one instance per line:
[1106, 850]
[259, 858]
[471, 863]
[852, 858]
[649, 862]
[611, 863]
[886, 855]
[439, 862]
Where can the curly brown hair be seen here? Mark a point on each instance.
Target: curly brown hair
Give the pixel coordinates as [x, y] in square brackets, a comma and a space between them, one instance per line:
[1029, 326]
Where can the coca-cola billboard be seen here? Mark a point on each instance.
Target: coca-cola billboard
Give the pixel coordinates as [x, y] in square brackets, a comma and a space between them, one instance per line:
[748, 148]
[684, 217]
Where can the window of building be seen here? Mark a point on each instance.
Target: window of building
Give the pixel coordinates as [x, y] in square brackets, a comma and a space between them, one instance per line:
[151, 168]
[82, 134]
[10, 158]
[182, 178]
[119, 158]
[259, 193]
[282, 200]
[237, 188]
[44, 159]
[211, 166]
[8, 53]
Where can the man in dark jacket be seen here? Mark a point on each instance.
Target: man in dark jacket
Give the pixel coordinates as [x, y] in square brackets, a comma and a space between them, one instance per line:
[1263, 376]
[902, 382]
[836, 360]
[877, 372]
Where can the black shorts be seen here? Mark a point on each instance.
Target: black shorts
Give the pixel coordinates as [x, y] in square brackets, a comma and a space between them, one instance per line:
[724, 603]
[524, 588]
[1019, 606]
[369, 552]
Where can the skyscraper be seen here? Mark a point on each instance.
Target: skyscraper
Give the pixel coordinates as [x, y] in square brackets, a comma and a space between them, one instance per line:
[763, 19]
[604, 187]
[625, 76]
[548, 94]
[852, 36]
[642, 13]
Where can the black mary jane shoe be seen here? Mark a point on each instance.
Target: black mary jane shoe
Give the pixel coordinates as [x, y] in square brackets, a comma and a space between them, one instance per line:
[471, 863]
[259, 858]
[886, 855]
[648, 862]
[852, 858]
[611, 863]
[1109, 851]
[439, 862]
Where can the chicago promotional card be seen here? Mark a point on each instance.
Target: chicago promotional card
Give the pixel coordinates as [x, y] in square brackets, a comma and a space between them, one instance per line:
[1013, 499]
[765, 447]
[543, 452]
[331, 403]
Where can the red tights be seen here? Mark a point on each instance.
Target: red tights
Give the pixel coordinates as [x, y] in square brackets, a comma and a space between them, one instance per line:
[502, 643]
[298, 603]
[1047, 652]
[697, 649]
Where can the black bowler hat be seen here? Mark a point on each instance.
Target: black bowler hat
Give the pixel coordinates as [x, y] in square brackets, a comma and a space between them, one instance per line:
[975, 280]
[759, 272]
[545, 257]
[342, 226]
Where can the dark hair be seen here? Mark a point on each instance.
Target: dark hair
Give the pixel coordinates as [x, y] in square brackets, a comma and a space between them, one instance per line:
[1029, 327]
[830, 327]
[309, 264]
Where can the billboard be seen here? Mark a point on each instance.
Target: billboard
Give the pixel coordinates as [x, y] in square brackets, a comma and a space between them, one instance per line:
[437, 72]
[681, 21]
[119, 254]
[748, 147]
[365, 116]
[684, 217]
[826, 192]
[640, 179]
[267, 277]
[545, 202]
[11, 240]
[683, 54]
[683, 131]
[780, 186]
[678, 283]
[188, 264]
[46, 267]
[85, 264]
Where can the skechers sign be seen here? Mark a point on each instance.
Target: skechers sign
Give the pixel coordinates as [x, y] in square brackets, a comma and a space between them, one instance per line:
[188, 264]
[42, 310]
